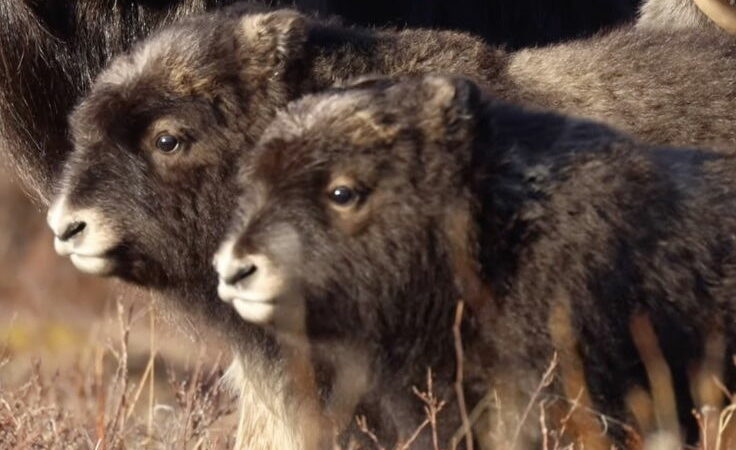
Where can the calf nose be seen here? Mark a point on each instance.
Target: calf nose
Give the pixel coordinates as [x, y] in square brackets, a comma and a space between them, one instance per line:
[64, 223]
[231, 268]
[238, 271]
[71, 230]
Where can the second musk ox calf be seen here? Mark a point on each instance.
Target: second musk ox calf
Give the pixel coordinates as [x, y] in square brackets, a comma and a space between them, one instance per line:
[374, 209]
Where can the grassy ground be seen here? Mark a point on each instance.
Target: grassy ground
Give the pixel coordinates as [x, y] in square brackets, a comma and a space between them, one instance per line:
[111, 392]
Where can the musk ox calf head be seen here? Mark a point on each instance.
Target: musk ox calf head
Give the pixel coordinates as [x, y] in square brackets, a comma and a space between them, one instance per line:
[156, 142]
[350, 206]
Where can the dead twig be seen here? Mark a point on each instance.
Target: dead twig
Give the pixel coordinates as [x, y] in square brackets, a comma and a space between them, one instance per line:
[459, 391]
[362, 423]
[544, 382]
[432, 407]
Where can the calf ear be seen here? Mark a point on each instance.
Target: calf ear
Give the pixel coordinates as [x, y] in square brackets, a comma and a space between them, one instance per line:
[270, 40]
[447, 102]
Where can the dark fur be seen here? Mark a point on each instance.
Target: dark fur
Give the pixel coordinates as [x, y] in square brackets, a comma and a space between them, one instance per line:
[564, 216]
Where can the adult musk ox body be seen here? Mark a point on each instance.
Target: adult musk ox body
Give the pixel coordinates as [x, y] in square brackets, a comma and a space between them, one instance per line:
[663, 86]
[376, 208]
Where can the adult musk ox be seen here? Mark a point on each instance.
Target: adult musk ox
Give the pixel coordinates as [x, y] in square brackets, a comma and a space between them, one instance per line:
[150, 185]
[375, 208]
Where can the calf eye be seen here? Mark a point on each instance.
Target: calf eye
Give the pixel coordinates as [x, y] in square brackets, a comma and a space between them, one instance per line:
[343, 196]
[167, 143]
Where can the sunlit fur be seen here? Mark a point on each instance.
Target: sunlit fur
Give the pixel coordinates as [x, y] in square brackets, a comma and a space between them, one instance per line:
[672, 15]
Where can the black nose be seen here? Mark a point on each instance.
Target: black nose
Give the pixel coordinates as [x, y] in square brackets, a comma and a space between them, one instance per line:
[72, 230]
[241, 274]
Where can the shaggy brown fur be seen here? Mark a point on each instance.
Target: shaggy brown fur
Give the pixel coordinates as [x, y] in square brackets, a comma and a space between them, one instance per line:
[672, 15]
[567, 221]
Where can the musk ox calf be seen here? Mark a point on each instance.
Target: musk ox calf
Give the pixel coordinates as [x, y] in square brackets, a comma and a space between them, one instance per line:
[374, 209]
[150, 185]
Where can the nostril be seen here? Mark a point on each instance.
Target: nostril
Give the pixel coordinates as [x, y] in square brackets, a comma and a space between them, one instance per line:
[72, 230]
[241, 274]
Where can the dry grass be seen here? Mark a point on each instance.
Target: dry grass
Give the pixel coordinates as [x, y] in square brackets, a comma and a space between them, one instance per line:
[78, 370]
[99, 402]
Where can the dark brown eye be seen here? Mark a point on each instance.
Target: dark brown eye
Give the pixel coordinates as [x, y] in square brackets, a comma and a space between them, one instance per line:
[343, 196]
[167, 143]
